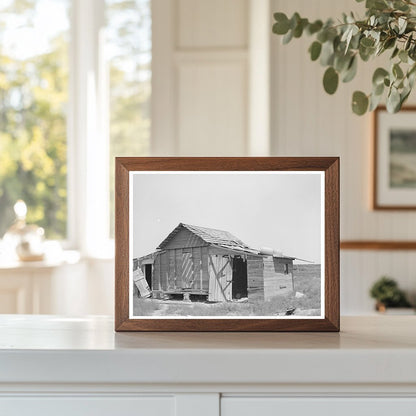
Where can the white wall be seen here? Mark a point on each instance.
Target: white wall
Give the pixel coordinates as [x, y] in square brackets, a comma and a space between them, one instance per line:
[308, 122]
[200, 77]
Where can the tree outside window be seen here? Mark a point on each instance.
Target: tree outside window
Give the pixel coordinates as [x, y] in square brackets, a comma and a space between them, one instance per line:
[34, 92]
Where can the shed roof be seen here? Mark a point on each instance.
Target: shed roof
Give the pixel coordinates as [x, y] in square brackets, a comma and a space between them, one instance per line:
[219, 238]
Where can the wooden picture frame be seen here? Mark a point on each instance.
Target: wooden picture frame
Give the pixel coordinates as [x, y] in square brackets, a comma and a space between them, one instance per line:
[129, 168]
[394, 185]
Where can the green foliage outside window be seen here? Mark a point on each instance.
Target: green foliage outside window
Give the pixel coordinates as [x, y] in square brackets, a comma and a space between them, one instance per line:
[34, 104]
[129, 41]
[33, 99]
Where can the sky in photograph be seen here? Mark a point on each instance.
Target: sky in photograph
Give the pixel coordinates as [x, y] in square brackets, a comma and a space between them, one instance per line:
[276, 210]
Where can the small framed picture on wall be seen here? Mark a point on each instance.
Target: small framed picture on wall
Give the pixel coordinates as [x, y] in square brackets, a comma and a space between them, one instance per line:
[394, 179]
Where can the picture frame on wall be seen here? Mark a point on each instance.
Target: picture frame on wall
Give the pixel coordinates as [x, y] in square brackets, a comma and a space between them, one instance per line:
[394, 152]
[227, 244]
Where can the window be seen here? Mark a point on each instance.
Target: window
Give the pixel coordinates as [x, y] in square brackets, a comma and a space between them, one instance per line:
[129, 44]
[74, 93]
[33, 98]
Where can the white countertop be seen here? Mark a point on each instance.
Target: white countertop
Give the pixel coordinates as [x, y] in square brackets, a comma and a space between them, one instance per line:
[52, 349]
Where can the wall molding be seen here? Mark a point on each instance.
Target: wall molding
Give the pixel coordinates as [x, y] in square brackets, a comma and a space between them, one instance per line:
[377, 245]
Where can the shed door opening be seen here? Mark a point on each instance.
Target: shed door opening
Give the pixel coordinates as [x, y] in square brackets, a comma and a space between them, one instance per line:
[148, 274]
[239, 278]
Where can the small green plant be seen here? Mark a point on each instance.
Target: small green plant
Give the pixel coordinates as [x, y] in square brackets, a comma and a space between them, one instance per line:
[388, 294]
[389, 26]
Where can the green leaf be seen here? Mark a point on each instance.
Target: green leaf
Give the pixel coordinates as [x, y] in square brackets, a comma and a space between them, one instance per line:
[389, 43]
[359, 103]
[379, 75]
[314, 27]
[403, 56]
[315, 50]
[348, 35]
[367, 42]
[341, 61]
[322, 36]
[327, 53]
[355, 41]
[351, 71]
[366, 53]
[397, 71]
[412, 70]
[412, 52]
[393, 101]
[330, 80]
[408, 42]
[366, 48]
[298, 30]
[411, 76]
[400, 5]
[281, 27]
[402, 24]
[288, 37]
[395, 52]
[376, 4]
[378, 89]
[374, 102]
[294, 20]
[404, 96]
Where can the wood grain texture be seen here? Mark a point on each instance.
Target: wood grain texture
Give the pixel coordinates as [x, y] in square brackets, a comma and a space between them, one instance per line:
[378, 245]
[376, 204]
[121, 244]
[330, 165]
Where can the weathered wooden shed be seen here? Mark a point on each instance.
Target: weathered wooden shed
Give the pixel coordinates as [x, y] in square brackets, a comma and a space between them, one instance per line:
[197, 263]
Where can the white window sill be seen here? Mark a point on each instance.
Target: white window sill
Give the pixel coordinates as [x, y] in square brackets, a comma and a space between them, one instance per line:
[64, 257]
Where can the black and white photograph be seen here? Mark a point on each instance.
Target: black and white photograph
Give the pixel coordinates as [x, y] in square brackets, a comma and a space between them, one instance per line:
[226, 244]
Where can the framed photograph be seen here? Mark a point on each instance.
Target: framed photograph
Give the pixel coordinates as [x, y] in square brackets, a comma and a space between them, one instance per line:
[395, 159]
[227, 244]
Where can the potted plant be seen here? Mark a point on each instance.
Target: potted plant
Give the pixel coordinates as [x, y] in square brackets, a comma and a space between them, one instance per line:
[389, 27]
[387, 294]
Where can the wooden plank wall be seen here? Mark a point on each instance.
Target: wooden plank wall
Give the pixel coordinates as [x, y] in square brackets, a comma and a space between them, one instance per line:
[205, 273]
[255, 278]
[172, 275]
[167, 270]
[276, 281]
[178, 268]
[156, 285]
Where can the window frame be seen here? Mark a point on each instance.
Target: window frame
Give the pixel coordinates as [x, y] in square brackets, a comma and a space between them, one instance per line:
[88, 133]
[87, 128]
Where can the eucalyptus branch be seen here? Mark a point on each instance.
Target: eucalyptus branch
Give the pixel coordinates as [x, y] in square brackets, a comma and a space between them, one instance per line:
[388, 25]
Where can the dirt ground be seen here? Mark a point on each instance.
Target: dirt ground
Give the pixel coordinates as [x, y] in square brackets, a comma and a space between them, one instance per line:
[307, 282]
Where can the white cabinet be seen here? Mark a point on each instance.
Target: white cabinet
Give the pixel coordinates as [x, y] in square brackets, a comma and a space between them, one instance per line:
[88, 406]
[272, 406]
[79, 366]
